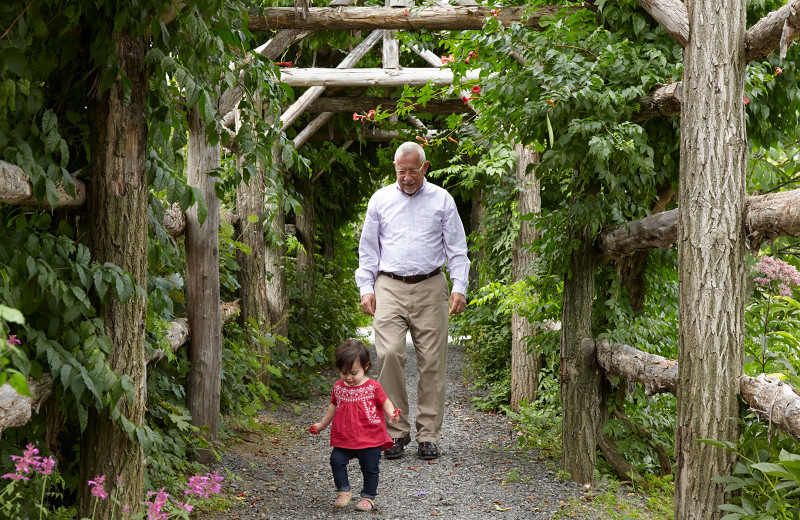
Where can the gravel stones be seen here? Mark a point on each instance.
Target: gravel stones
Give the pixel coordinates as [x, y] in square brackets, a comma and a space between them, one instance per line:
[482, 473]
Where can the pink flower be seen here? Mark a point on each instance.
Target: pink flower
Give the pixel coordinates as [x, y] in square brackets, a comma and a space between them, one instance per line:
[447, 59]
[154, 507]
[746, 101]
[476, 89]
[46, 466]
[778, 275]
[12, 340]
[28, 459]
[495, 12]
[472, 54]
[97, 487]
[15, 476]
[205, 486]
[778, 71]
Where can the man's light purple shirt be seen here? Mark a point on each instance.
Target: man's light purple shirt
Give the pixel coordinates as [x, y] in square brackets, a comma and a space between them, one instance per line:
[411, 235]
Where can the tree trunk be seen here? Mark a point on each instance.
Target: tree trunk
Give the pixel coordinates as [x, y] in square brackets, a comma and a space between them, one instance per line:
[525, 362]
[253, 271]
[711, 256]
[202, 288]
[118, 141]
[580, 377]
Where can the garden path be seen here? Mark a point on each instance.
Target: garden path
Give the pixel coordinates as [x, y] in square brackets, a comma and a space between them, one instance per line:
[482, 473]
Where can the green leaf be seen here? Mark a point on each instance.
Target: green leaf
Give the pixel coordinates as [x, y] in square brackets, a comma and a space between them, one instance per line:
[12, 315]
[18, 383]
[774, 470]
[15, 61]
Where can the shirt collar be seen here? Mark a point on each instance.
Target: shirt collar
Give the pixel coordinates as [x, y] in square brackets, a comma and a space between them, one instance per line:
[421, 188]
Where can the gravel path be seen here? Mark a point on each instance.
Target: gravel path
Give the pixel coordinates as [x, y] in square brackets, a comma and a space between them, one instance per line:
[482, 472]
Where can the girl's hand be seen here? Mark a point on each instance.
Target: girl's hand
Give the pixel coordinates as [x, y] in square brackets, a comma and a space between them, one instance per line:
[395, 416]
[313, 429]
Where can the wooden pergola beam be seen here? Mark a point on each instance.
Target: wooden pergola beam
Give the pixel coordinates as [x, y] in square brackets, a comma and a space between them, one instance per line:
[272, 50]
[437, 17]
[373, 135]
[769, 398]
[367, 77]
[16, 188]
[298, 107]
[766, 217]
[365, 104]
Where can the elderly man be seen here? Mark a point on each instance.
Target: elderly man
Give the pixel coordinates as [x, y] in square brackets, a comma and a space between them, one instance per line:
[410, 230]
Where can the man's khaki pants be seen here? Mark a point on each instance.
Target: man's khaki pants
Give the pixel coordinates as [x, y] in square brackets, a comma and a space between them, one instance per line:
[421, 308]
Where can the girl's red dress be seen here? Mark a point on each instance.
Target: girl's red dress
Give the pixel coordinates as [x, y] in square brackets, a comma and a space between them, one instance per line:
[359, 420]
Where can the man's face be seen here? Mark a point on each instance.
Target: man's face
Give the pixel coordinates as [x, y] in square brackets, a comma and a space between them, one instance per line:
[410, 173]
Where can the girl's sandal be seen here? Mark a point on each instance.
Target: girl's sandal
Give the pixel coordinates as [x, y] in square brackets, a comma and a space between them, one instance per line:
[365, 504]
[343, 498]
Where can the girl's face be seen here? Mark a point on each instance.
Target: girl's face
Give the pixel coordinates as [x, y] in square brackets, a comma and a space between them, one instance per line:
[355, 376]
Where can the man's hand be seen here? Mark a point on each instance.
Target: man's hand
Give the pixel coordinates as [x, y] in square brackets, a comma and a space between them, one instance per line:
[458, 302]
[368, 304]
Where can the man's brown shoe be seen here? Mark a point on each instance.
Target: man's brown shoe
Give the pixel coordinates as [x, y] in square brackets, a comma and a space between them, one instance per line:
[396, 451]
[428, 451]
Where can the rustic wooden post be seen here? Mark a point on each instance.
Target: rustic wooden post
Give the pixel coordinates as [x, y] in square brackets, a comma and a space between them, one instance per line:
[525, 365]
[711, 254]
[202, 287]
[580, 377]
[275, 258]
[305, 235]
[118, 216]
[253, 271]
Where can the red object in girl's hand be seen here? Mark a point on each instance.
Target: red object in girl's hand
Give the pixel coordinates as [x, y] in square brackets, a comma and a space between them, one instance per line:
[397, 412]
[313, 429]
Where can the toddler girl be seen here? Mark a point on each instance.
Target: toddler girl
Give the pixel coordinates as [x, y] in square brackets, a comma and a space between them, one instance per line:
[358, 430]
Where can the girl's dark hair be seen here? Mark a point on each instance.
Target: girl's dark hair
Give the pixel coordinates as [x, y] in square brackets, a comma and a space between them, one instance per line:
[348, 352]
